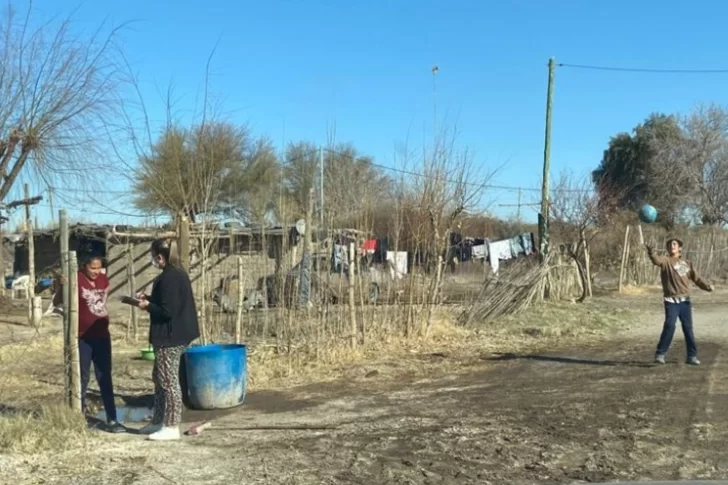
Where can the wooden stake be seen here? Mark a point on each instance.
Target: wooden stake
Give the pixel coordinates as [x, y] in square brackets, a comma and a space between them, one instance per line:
[352, 303]
[131, 277]
[63, 220]
[3, 273]
[239, 308]
[30, 294]
[74, 360]
[625, 249]
[37, 312]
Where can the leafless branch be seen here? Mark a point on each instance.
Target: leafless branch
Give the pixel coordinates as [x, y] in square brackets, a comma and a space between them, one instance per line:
[58, 95]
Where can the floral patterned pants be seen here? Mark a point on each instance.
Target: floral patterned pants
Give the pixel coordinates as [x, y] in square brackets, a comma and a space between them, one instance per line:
[167, 390]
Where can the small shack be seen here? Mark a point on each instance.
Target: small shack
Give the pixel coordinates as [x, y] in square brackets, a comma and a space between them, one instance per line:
[123, 247]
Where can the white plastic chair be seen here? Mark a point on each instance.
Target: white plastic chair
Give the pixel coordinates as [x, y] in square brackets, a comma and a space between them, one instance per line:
[21, 283]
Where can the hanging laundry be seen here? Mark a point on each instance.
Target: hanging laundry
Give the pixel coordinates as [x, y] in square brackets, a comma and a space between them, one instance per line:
[527, 243]
[455, 239]
[380, 254]
[293, 237]
[480, 251]
[466, 252]
[369, 246]
[499, 251]
[516, 246]
[398, 263]
[340, 259]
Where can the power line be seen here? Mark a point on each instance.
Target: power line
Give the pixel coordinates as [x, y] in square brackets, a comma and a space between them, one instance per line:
[473, 184]
[645, 70]
[107, 213]
[86, 191]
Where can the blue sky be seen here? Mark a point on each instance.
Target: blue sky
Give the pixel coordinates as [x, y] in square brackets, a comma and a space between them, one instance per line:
[294, 69]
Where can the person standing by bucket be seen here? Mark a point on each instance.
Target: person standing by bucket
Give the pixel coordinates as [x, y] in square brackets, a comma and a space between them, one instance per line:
[94, 338]
[173, 326]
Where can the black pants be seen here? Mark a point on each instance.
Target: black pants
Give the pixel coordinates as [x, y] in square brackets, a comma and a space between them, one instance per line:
[684, 312]
[98, 352]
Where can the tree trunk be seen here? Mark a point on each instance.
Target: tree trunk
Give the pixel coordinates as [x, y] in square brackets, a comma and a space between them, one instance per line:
[587, 264]
[574, 253]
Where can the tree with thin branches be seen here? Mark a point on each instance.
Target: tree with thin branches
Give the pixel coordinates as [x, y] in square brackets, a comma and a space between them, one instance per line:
[58, 92]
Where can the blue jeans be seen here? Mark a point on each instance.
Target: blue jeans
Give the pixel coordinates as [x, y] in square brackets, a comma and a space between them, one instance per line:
[684, 312]
[98, 352]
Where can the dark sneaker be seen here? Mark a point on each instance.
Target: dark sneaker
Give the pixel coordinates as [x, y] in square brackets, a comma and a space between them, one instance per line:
[660, 359]
[692, 361]
[115, 427]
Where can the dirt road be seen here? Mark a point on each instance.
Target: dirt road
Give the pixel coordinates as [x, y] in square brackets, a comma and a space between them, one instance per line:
[599, 412]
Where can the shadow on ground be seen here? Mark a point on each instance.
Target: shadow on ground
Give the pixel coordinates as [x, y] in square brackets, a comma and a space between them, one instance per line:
[560, 359]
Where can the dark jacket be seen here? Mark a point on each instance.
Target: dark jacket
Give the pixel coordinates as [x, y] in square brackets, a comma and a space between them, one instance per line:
[172, 310]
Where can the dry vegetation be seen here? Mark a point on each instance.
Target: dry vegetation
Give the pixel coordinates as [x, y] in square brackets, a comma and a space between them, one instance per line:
[313, 324]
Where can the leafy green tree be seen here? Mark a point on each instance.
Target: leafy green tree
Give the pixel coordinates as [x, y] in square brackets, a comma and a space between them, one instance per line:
[629, 165]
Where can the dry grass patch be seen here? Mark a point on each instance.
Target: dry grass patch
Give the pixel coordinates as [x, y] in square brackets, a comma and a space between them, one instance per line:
[542, 324]
[631, 290]
[51, 429]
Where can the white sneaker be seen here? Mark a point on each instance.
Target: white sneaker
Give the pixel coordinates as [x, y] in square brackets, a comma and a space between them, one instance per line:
[167, 433]
[151, 428]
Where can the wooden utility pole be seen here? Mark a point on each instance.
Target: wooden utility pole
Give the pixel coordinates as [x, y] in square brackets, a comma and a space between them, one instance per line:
[74, 361]
[543, 223]
[63, 220]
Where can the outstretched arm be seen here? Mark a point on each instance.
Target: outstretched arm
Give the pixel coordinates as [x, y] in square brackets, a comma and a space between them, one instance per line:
[699, 282]
[656, 260]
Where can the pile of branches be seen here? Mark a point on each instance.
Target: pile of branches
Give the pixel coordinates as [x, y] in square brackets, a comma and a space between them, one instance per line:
[512, 290]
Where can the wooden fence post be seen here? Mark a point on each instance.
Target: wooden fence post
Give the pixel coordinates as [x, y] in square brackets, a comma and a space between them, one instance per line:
[352, 303]
[625, 254]
[132, 289]
[63, 221]
[30, 294]
[74, 361]
[239, 308]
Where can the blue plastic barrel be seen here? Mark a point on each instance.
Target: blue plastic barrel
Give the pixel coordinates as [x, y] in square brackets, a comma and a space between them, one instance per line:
[216, 375]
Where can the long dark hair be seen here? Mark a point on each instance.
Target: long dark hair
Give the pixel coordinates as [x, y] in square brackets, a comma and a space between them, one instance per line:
[167, 249]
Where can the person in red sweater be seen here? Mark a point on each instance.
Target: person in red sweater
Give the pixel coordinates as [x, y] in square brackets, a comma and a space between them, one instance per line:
[94, 339]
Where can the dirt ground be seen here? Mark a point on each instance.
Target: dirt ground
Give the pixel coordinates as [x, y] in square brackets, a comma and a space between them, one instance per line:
[587, 410]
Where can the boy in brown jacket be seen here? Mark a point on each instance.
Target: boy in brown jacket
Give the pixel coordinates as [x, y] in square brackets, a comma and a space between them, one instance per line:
[676, 274]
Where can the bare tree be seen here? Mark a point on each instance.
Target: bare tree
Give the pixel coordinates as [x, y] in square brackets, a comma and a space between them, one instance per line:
[578, 213]
[694, 166]
[351, 180]
[449, 187]
[186, 166]
[57, 95]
